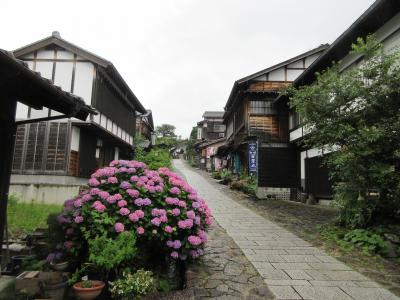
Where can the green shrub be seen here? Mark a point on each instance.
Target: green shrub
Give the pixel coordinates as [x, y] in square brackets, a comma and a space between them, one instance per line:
[367, 240]
[132, 286]
[246, 184]
[157, 158]
[226, 177]
[216, 175]
[107, 253]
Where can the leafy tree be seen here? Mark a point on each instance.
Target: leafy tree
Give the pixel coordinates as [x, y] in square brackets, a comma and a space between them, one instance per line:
[166, 130]
[355, 113]
[190, 150]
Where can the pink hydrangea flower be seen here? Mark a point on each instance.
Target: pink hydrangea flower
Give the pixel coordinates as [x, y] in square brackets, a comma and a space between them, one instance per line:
[133, 193]
[176, 212]
[119, 227]
[168, 229]
[192, 196]
[125, 185]
[112, 180]
[182, 203]
[194, 240]
[174, 255]
[140, 230]
[134, 178]
[177, 244]
[139, 213]
[78, 219]
[175, 191]
[133, 217]
[190, 214]
[124, 211]
[100, 208]
[104, 195]
[68, 244]
[93, 182]
[78, 202]
[94, 191]
[155, 221]
[86, 197]
[122, 203]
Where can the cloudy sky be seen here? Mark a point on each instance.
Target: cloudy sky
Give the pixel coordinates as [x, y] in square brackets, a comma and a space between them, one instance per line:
[181, 57]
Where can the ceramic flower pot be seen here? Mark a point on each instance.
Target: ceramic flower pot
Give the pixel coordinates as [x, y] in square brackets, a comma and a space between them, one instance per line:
[88, 293]
[54, 290]
[62, 266]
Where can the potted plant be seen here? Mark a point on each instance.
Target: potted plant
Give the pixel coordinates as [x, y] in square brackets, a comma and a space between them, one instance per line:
[88, 289]
[57, 261]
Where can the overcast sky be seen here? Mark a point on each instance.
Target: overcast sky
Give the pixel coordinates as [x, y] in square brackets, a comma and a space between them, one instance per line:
[182, 57]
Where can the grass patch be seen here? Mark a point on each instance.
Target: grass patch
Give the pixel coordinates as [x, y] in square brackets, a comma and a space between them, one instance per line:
[26, 217]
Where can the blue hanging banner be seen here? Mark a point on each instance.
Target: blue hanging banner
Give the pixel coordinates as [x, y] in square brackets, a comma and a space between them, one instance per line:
[252, 157]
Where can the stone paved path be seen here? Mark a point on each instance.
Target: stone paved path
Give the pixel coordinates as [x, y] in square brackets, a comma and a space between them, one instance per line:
[290, 266]
[224, 272]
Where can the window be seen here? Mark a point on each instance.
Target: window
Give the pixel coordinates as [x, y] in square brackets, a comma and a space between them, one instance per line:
[221, 134]
[219, 128]
[294, 119]
[262, 108]
[229, 129]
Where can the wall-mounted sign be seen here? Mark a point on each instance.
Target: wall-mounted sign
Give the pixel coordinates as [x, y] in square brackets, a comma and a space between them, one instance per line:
[252, 147]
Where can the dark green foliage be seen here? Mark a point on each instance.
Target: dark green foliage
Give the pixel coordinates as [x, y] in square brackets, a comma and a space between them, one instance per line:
[107, 253]
[166, 130]
[367, 240]
[226, 176]
[356, 113]
[157, 158]
[216, 175]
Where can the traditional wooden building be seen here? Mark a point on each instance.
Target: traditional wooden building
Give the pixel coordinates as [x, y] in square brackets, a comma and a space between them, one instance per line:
[381, 19]
[145, 128]
[210, 129]
[257, 133]
[53, 158]
[19, 84]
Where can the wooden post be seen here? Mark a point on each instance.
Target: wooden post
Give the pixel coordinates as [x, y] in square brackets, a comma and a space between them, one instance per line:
[8, 128]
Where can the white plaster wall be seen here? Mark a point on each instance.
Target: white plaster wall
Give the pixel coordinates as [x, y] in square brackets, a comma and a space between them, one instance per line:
[277, 75]
[296, 134]
[303, 156]
[45, 54]
[293, 74]
[63, 75]
[54, 194]
[75, 136]
[296, 64]
[61, 54]
[46, 70]
[310, 59]
[22, 111]
[83, 81]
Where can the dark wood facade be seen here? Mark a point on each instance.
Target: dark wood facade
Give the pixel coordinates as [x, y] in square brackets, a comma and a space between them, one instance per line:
[72, 147]
[253, 115]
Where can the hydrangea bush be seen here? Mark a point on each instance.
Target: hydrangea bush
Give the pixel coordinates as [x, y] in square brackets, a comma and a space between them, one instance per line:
[159, 206]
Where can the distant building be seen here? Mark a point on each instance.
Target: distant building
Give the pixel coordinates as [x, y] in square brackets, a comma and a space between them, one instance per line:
[145, 128]
[52, 159]
[210, 132]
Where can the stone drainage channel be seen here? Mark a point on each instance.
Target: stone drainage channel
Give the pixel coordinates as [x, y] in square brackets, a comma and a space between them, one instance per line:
[290, 267]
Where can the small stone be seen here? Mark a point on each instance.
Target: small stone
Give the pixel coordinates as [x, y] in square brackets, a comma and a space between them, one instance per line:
[223, 288]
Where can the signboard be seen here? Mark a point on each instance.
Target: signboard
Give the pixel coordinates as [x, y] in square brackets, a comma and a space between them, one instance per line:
[252, 157]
